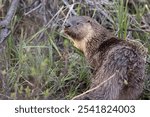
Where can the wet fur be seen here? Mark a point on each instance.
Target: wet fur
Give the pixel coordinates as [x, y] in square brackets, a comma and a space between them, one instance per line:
[118, 65]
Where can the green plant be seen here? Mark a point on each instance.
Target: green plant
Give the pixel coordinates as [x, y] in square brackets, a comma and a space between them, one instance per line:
[122, 18]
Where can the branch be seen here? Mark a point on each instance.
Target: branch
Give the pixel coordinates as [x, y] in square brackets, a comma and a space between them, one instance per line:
[5, 23]
[69, 6]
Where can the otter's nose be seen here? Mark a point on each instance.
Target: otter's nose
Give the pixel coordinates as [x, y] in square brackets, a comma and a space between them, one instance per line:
[67, 25]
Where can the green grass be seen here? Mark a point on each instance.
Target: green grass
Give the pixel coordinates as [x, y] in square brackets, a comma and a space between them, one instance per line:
[41, 72]
[122, 18]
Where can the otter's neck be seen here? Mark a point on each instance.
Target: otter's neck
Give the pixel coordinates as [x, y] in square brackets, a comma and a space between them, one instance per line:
[96, 47]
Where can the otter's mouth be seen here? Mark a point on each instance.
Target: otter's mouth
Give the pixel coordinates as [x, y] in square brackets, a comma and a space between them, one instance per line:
[70, 34]
[64, 32]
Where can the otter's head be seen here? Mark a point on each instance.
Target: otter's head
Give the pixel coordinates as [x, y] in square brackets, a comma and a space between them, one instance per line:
[79, 30]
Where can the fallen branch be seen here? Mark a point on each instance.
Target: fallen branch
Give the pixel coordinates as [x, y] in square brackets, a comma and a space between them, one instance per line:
[5, 23]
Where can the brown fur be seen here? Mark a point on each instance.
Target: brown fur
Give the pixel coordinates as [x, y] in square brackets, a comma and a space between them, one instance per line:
[119, 65]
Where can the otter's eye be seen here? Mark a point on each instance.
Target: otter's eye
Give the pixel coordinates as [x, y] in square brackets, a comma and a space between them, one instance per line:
[88, 21]
[78, 23]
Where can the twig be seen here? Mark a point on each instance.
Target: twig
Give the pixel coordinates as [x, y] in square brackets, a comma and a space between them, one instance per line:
[138, 30]
[91, 90]
[70, 7]
[5, 23]
[33, 9]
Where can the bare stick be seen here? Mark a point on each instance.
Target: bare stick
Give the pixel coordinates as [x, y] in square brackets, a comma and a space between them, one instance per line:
[138, 30]
[91, 90]
[69, 6]
[33, 9]
[4, 23]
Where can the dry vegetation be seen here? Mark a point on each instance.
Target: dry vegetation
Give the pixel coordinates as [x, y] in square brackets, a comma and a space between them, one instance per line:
[37, 62]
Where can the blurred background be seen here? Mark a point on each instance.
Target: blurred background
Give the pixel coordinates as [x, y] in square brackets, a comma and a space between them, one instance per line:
[37, 62]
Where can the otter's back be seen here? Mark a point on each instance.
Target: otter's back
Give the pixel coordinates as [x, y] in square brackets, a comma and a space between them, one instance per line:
[129, 68]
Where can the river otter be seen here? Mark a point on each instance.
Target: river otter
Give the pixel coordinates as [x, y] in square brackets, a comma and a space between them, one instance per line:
[118, 64]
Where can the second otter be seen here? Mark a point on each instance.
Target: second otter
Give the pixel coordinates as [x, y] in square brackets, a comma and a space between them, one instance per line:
[119, 65]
